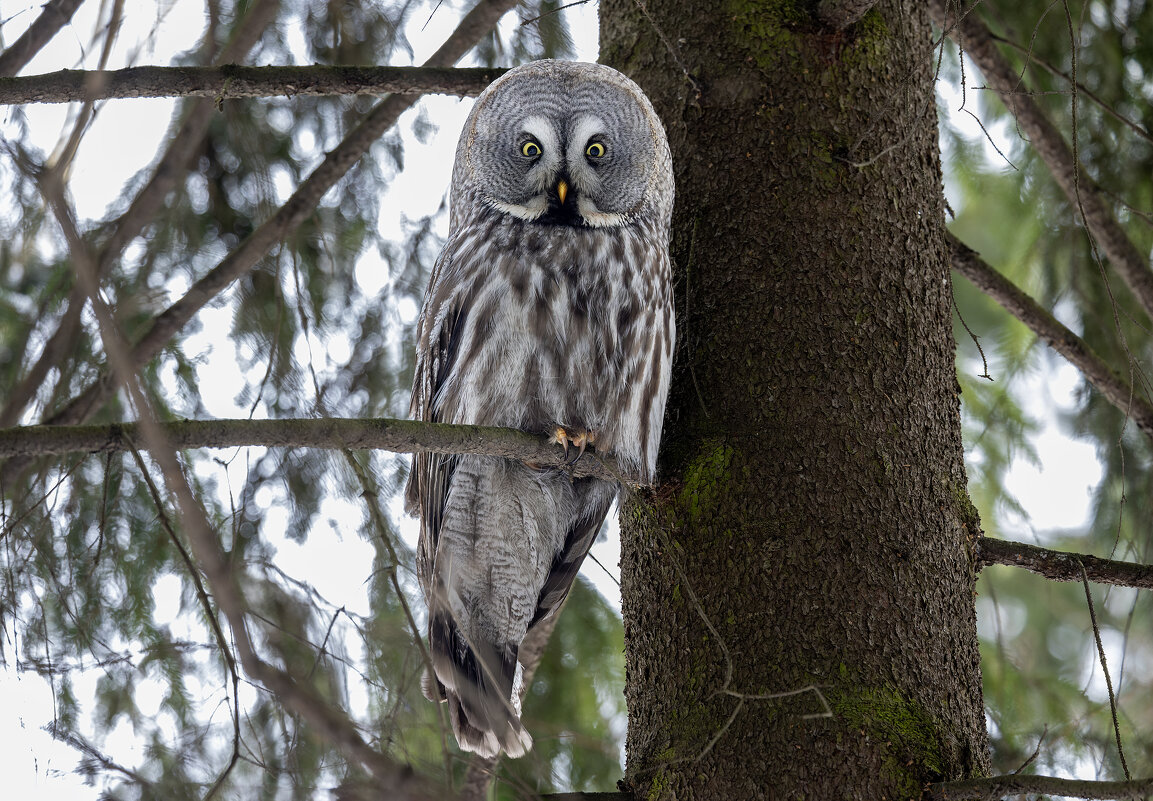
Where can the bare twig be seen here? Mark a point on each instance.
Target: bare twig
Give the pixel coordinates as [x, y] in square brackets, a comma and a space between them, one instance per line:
[1105, 670]
[1036, 752]
[840, 14]
[1107, 381]
[977, 41]
[58, 732]
[231, 81]
[401, 436]
[999, 787]
[54, 16]
[1063, 565]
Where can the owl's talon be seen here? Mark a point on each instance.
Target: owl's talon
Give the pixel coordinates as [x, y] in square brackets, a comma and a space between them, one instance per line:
[580, 437]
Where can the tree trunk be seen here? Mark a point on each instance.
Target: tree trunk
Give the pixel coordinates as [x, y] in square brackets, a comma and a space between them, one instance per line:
[812, 526]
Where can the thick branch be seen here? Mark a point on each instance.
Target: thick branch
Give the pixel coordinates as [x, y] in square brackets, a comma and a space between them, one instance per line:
[840, 14]
[232, 81]
[298, 207]
[977, 42]
[401, 436]
[54, 16]
[999, 787]
[1063, 565]
[1107, 381]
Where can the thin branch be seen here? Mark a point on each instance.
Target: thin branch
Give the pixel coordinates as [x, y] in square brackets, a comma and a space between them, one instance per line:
[977, 42]
[231, 81]
[401, 436]
[298, 207]
[1064, 565]
[1105, 670]
[58, 732]
[1107, 381]
[999, 787]
[840, 14]
[55, 15]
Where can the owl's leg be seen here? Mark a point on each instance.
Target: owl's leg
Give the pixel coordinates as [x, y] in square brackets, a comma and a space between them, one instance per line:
[580, 437]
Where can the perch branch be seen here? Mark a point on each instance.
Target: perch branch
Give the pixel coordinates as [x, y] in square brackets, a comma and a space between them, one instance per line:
[1064, 565]
[840, 14]
[1107, 381]
[231, 81]
[999, 787]
[401, 436]
[976, 40]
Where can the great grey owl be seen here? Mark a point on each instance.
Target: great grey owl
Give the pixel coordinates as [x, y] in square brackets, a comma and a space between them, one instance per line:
[550, 310]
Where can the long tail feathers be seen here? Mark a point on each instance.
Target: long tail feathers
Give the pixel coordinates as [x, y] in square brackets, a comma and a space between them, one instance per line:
[476, 679]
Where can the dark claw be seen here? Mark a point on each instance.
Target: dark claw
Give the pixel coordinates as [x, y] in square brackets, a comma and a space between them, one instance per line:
[570, 461]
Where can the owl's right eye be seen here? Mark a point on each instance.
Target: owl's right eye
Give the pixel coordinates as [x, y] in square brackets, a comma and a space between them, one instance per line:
[530, 149]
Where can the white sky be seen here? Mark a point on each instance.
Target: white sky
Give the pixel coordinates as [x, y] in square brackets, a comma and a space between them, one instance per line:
[33, 765]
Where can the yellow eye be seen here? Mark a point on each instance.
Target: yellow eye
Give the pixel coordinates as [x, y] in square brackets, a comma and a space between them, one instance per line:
[530, 149]
[595, 150]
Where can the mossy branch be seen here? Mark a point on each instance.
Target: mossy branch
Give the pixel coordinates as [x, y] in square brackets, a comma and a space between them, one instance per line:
[232, 81]
[999, 787]
[400, 436]
[1064, 565]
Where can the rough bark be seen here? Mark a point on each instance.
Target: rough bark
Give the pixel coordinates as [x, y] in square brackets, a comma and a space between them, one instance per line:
[812, 528]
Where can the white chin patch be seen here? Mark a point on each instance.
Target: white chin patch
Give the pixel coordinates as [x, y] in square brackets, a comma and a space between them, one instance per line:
[597, 218]
[528, 211]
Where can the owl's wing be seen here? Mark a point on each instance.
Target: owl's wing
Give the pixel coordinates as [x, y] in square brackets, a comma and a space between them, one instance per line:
[438, 340]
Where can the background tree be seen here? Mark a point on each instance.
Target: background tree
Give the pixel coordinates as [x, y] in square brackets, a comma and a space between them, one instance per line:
[812, 535]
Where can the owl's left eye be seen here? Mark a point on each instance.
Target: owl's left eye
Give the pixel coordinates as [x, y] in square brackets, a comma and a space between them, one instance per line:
[595, 150]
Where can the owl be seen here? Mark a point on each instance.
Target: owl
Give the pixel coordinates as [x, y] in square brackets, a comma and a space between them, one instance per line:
[549, 310]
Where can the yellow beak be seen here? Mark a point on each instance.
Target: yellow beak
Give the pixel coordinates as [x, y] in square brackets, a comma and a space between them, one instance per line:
[561, 191]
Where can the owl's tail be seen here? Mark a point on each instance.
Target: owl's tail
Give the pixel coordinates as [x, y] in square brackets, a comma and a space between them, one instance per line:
[476, 679]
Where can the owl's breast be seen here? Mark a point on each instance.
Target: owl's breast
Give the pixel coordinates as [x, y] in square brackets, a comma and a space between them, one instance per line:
[551, 312]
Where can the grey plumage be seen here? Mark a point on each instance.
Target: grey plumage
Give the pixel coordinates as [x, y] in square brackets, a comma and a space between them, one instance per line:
[550, 306]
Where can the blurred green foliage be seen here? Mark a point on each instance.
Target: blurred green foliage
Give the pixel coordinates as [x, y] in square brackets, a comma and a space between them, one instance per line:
[1041, 668]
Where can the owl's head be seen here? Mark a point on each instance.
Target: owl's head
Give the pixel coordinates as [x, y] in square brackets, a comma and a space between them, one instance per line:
[566, 143]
